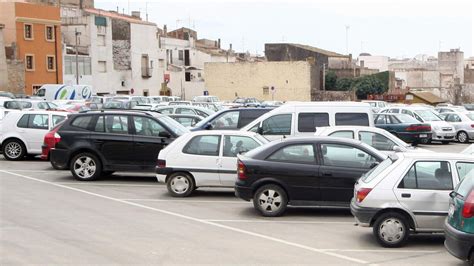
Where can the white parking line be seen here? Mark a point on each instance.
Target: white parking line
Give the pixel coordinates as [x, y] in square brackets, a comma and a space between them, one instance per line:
[190, 201]
[230, 228]
[385, 250]
[277, 221]
[109, 184]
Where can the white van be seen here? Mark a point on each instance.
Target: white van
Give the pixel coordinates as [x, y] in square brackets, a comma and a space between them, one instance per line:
[303, 119]
[52, 92]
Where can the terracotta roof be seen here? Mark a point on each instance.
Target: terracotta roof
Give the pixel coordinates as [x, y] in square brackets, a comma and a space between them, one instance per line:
[115, 15]
[427, 96]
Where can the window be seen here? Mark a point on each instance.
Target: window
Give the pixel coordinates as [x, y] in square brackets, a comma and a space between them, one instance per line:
[277, 125]
[187, 76]
[376, 140]
[180, 55]
[465, 187]
[49, 33]
[374, 172]
[161, 63]
[117, 124]
[428, 175]
[42, 105]
[50, 63]
[184, 111]
[145, 126]
[294, 154]
[23, 122]
[234, 145]
[58, 119]
[406, 112]
[166, 111]
[28, 31]
[308, 122]
[203, 145]
[186, 121]
[266, 90]
[201, 113]
[227, 120]
[30, 62]
[394, 111]
[102, 66]
[352, 119]
[465, 170]
[346, 156]
[343, 134]
[38, 121]
[84, 63]
[453, 118]
[82, 122]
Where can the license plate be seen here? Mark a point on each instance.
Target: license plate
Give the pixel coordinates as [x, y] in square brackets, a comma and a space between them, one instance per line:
[451, 211]
[423, 135]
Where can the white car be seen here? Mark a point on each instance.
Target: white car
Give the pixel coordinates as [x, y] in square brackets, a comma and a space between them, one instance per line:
[378, 138]
[184, 110]
[469, 150]
[408, 193]
[203, 159]
[22, 133]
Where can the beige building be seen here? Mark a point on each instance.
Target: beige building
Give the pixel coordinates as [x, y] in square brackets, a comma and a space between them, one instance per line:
[283, 81]
[3, 61]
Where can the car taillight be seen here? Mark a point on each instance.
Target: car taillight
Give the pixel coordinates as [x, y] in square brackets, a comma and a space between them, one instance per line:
[418, 128]
[161, 163]
[362, 193]
[472, 126]
[52, 138]
[468, 210]
[241, 170]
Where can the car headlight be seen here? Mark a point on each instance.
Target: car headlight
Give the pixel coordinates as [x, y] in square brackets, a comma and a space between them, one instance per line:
[436, 127]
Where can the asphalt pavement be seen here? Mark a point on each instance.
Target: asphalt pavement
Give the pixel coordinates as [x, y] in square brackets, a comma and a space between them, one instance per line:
[47, 217]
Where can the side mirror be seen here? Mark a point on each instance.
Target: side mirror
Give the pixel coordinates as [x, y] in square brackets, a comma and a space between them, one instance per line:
[374, 165]
[397, 149]
[260, 130]
[208, 126]
[453, 194]
[164, 134]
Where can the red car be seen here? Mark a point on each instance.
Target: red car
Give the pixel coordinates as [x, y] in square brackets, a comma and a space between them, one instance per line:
[50, 141]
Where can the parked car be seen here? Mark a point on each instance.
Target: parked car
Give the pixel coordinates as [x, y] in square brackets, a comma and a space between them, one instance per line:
[22, 132]
[404, 127]
[469, 106]
[230, 119]
[119, 105]
[207, 98]
[441, 130]
[146, 107]
[184, 109]
[463, 123]
[98, 143]
[271, 103]
[376, 105]
[247, 102]
[450, 109]
[378, 138]
[159, 99]
[7, 94]
[300, 119]
[408, 193]
[203, 159]
[138, 99]
[459, 226]
[180, 103]
[49, 142]
[469, 150]
[216, 107]
[302, 171]
[188, 121]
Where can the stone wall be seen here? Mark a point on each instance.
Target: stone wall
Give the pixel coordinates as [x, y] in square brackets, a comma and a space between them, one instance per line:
[16, 76]
[334, 96]
[468, 76]
[121, 55]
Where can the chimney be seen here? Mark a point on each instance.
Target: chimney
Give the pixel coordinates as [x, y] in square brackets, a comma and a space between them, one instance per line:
[81, 4]
[165, 30]
[230, 47]
[136, 14]
[219, 43]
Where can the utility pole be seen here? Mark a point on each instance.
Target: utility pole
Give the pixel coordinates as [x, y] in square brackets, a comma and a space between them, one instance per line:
[347, 38]
[77, 33]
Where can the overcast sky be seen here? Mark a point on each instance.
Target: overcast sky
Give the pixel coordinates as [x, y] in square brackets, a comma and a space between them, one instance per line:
[396, 28]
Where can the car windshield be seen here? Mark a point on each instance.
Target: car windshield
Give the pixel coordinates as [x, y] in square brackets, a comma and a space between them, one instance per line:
[239, 101]
[207, 119]
[470, 116]
[113, 105]
[173, 125]
[406, 119]
[374, 172]
[428, 115]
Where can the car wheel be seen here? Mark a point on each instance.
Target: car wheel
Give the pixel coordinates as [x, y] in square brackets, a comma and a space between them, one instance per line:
[445, 142]
[391, 230]
[180, 185]
[85, 167]
[14, 150]
[463, 137]
[425, 141]
[270, 200]
[58, 167]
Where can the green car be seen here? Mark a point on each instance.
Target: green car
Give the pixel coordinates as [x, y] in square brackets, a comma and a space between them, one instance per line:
[459, 226]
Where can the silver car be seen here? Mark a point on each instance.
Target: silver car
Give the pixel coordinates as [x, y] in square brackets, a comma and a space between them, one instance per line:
[408, 193]
[463, 123]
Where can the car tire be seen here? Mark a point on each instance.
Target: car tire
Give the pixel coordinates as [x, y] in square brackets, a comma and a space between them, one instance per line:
[425, 141]
[391, 230]
[14, 150]
[85, 167]
[270, 200]
[58, 167]
[180, 184]
[463, 137]
[445, 142]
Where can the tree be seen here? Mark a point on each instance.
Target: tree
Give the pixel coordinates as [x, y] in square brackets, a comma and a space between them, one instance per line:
[331, 80]
[368, 85]
[343, 84]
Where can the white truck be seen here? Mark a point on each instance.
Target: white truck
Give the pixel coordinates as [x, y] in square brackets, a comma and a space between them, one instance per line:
[51, 92]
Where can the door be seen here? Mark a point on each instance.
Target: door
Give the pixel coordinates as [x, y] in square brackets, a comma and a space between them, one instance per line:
[37, 127]
[147, 141]
[456, 121]
[112, 137]
[201, 157]
[276, 127]
[232, 146]
[341, 166]
[424, 191]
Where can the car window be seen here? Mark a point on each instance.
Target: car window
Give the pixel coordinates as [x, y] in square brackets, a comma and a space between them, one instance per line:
[203, 145]
[82, 122]
[228, 120]
[341, 155]
[466, 185]
[303, 153]
[117, 124]
[42, 105]
[58, 119]
[185, 121]
[201, 113]
[376, 140]
[23, 122]
[38, 121]
[380, 119]
[234, 145]
[352, 119]
[465, 170]
[185, 111]
[277, 125]
[166, 111]
[374, 172]
[307, 122]
[343, 134]
[145, 126]
[428, 175]
[248, 116]
[407, 112]
[455, 118]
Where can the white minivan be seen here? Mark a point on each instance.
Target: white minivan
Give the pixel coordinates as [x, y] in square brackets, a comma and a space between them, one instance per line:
[303, 118]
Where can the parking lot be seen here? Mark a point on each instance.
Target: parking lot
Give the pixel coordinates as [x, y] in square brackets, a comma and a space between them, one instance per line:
[49, 218]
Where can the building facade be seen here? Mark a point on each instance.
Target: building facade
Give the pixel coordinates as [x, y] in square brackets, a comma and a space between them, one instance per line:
[3, 61]
[373, 62]
[34, 37]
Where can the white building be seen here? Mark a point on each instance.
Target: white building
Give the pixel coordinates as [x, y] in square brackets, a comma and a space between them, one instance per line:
[117, 53]
[373, 62]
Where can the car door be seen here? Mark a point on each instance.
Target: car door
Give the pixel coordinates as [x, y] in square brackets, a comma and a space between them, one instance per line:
[231, 147]
[147, 140]
[424, 191]
[341, 166]
[38, 126]
[112, 137]
[200, 156]
[275, 127]
[456, 121]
